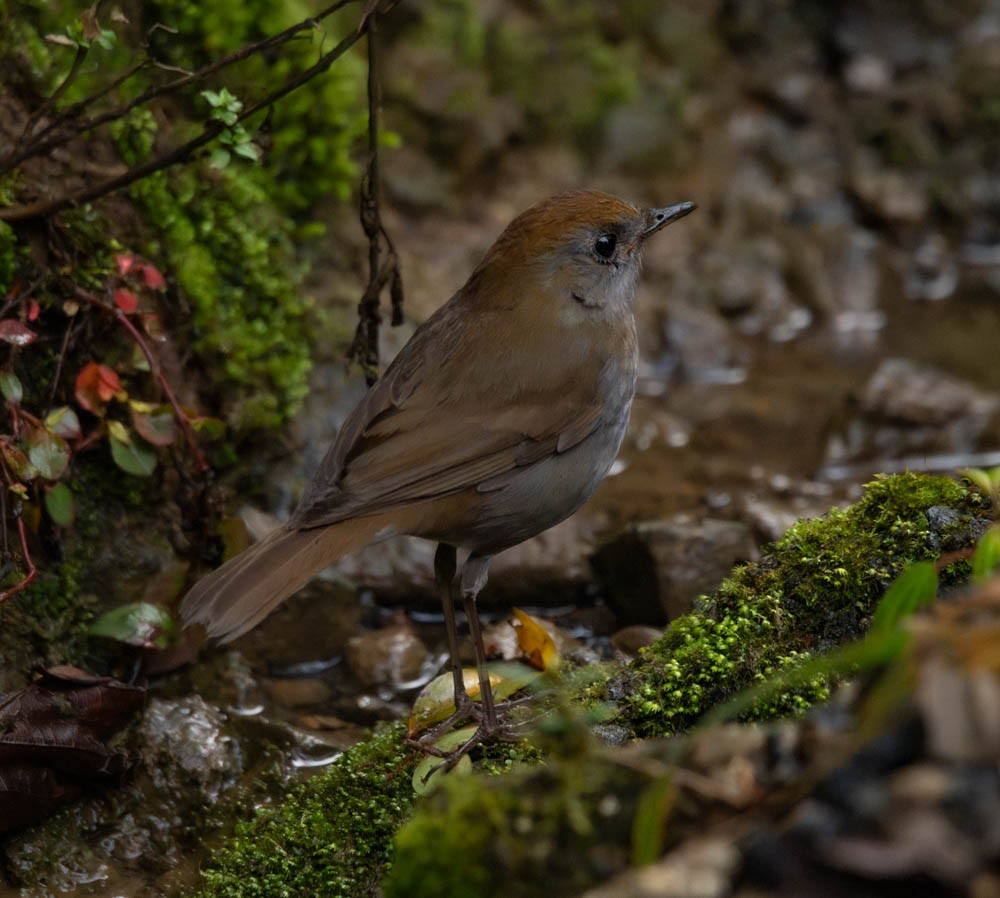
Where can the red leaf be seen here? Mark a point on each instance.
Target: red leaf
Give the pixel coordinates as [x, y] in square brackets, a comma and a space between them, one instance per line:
[126, 261]
[15, 333]
[95, 385]
[33, 309]
[126, 300]
[151, 275]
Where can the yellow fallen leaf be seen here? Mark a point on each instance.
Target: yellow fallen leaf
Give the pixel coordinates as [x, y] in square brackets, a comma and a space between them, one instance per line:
[538, 646]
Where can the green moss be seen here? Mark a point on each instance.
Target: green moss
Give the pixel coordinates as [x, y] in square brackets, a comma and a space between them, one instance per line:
[231, 252]
[815, 588]
[330, 837]
[8, 245]
[542, 831]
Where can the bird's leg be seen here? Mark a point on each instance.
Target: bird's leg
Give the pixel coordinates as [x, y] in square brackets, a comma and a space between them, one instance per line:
[445, 566]
[444, 574]
[474, 574]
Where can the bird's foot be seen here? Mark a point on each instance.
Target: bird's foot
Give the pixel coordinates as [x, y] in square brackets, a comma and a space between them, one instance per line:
[500, 729]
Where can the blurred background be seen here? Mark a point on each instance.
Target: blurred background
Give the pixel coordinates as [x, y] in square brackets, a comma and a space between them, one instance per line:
[831, 311]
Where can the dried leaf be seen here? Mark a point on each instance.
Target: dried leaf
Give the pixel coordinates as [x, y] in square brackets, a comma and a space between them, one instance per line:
[17, 461]
[59, 724]
[91, 26]
[537, 645]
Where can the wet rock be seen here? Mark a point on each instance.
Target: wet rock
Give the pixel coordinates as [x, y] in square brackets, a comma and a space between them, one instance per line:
[891, 194]
[907, 408]
[187, 748]
[296, 692]
[653, 571]
[389, 656]
[549, 569]
[931, 270]
[628, 640]
[867, 73]
[703, 344]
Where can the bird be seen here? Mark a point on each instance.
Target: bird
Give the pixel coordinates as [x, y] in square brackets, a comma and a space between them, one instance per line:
[497, 420]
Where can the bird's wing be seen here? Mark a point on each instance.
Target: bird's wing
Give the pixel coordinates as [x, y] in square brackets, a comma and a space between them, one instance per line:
[449, 414]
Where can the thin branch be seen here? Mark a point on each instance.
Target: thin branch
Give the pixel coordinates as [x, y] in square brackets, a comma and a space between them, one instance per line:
[50, 102]
[32, 570]
[38, 148]
[154, 366]
[43, 208]
[364, 346]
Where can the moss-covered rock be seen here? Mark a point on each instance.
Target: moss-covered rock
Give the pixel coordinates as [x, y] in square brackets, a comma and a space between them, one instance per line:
[543, 831]
[815, 588]
[331, 836]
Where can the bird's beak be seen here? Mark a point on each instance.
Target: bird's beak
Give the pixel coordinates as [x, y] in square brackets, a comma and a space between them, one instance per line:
[660, 218]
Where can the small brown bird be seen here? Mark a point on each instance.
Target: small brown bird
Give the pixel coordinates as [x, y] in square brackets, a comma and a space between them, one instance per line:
[497, 420]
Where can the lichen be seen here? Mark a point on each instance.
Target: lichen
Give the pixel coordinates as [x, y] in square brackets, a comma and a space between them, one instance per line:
[815, 588]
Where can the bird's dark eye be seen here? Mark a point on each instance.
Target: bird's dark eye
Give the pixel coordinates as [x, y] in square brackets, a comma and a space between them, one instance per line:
[605, 245]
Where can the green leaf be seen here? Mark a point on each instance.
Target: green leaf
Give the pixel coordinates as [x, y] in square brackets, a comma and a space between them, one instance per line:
[437, 699]
[63, 422]
[248, 151]
[986, 559]
[910, 591]
[978, 477]
[428, 772]
[219, 157]
[130, 455]
[139, 623]
[60, 504]
[47, 452]
[11, 387]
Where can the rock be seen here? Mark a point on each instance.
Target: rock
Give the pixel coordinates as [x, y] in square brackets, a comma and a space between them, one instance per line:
[390, 656]
[628, 640]
[908, 408]
[892, 194]
[700, 868]
[931, 269]
[867, 73]
[549, 569]
[653, 571]
[188, 749]
[296, 692]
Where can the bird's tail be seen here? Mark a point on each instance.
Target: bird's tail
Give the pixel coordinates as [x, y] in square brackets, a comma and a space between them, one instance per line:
[247, 588]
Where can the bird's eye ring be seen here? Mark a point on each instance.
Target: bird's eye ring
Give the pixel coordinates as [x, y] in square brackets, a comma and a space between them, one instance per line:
[605, 245]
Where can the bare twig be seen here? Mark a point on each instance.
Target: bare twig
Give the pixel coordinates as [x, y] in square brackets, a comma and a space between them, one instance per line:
[43, 208]
[364, 346]
[73, 128]
[154, 366]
